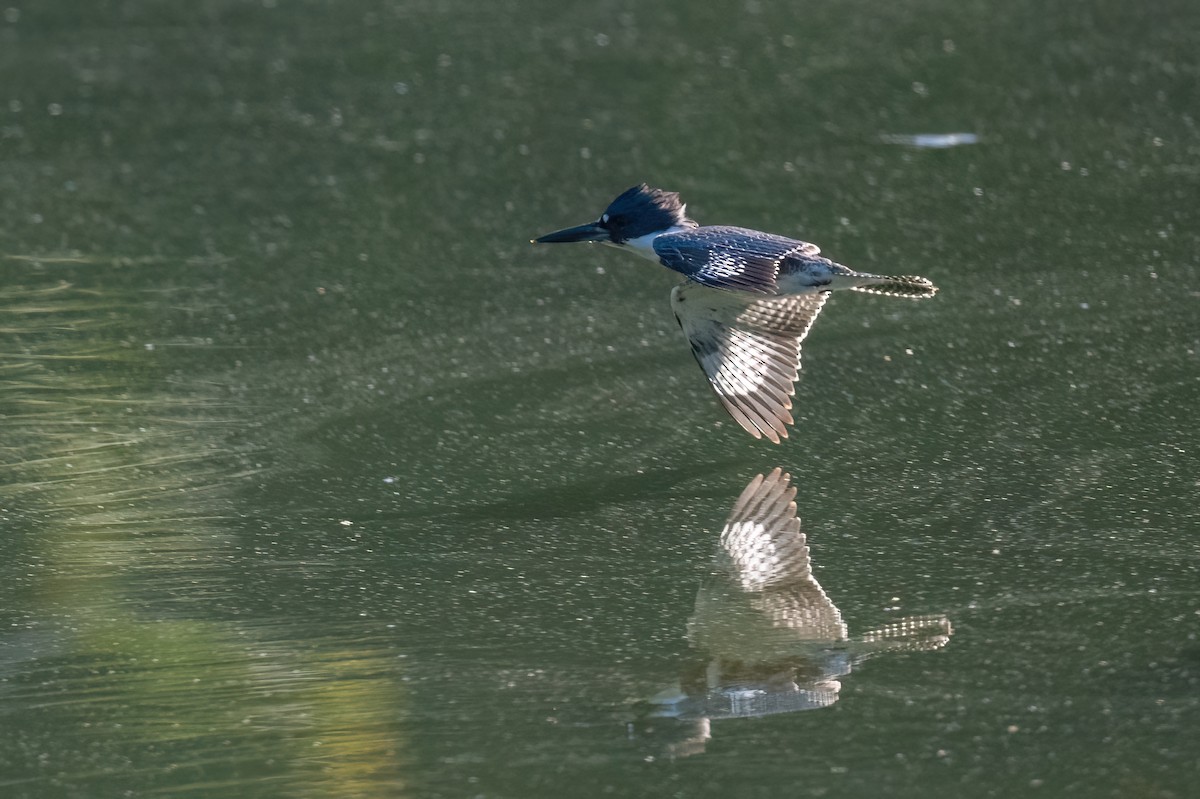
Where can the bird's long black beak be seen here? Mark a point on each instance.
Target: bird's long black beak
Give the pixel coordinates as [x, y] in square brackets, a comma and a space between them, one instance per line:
[589, 232]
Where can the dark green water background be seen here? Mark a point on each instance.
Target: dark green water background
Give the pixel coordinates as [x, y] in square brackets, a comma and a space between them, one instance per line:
[317, 480]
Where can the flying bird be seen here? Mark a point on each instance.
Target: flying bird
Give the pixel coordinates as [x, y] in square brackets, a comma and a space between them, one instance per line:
[748, 300]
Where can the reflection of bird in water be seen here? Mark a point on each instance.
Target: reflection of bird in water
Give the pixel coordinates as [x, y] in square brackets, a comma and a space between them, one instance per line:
[772, 641]
[747, 303]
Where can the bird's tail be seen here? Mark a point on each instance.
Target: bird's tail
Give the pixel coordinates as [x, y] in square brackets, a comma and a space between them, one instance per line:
[911, 286]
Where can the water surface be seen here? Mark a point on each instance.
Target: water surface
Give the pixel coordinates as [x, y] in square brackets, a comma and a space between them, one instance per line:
[318, 480]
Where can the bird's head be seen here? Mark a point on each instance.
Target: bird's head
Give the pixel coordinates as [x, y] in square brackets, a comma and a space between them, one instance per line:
[638, 212]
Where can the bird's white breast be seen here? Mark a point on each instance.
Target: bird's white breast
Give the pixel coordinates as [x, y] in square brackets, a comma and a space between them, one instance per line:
[644, 245]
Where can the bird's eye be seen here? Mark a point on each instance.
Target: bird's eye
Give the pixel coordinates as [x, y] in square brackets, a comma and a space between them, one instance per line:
[604, 219]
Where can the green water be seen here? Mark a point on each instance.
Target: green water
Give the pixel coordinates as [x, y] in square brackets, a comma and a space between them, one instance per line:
[317, 480]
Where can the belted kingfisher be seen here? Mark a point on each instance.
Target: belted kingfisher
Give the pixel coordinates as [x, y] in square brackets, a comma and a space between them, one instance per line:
[748, 301]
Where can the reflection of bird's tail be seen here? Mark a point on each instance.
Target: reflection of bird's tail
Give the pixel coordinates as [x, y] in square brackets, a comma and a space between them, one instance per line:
[911, 633]
[911, 286]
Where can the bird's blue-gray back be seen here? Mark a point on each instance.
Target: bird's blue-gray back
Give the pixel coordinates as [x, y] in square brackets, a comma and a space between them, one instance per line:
[733, 258]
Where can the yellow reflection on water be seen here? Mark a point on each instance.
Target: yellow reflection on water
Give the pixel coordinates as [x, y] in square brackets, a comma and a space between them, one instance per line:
[125, 472]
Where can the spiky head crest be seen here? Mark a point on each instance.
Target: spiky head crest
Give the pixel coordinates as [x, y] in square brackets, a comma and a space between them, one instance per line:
[641, 210]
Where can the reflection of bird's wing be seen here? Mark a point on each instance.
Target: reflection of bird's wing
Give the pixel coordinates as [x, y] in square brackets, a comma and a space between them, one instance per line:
[729, 257]
[764, 553]
[761, 545]
[749, 349]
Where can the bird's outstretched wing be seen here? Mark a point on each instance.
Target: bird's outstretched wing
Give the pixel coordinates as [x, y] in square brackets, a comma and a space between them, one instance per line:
[750, 350]
[730, 257]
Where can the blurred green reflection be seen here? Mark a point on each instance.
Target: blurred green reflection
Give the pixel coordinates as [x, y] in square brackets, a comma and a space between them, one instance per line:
[121, 480]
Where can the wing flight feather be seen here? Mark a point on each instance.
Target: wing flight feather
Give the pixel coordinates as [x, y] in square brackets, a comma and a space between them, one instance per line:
[749, 348]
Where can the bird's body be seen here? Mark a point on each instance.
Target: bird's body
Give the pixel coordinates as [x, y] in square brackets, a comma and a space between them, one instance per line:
[742, 259]
[748, 301]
